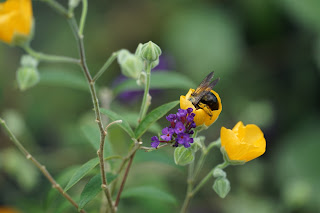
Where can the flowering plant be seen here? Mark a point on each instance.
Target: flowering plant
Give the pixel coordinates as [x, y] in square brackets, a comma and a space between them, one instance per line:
[199, 109]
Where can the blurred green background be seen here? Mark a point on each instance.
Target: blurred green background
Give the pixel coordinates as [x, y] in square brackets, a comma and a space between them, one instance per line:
[267, 54]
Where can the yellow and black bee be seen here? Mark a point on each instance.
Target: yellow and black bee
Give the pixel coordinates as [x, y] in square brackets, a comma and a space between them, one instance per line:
[203, 98]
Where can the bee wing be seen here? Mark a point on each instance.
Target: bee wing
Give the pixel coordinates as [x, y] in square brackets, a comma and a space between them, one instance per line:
[204, 87]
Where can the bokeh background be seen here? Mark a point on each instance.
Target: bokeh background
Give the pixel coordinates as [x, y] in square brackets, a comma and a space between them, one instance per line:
[267, 54]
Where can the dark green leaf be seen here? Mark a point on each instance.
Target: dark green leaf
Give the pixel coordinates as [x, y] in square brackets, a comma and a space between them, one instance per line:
[153, 116]
[159, 80]
[149, 192]
[114, 116]
[81, 172]
[92, 188]
[63, 78]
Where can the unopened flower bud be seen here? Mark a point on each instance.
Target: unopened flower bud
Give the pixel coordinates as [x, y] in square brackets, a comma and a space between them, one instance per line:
[27, 77]
[130, 64]
[28, 61]
[149, 51]
[219, 173]
[183, 156]
[73, 4]
[222, 187]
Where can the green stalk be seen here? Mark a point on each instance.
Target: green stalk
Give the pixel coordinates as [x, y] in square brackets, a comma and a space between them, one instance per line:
[145, 105]
[50, 58]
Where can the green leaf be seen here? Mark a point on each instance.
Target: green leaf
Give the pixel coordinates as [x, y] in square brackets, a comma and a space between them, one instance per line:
[159, 80]
[114, 116]
[132, 119]
[92, 133]
[81, 172]
[149, 192]
[63, 78]
[153, 116]
[183, 156]
[92, 188]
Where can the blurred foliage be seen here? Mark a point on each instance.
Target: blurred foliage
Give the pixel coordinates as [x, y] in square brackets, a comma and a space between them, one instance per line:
[267, 55]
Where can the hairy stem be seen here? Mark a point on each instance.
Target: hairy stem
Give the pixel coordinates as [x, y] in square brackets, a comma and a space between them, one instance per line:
[105, 66]
[95, 101]
[83, 16]
[41, 167]
[145, 104]
[49, 58]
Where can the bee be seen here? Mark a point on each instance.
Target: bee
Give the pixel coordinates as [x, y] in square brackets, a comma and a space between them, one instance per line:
[203, 98]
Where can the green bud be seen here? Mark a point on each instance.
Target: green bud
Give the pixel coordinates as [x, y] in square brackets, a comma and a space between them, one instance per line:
[222, 187]
[28, 61]
[219, 173]
[27, 77]
[73, 4]
[183, 156]
[130, 64]
[149, 51]
[138, 50]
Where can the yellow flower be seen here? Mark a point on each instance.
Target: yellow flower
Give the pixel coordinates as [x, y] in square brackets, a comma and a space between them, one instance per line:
[243, 143]
[15, 19]
[202, 115]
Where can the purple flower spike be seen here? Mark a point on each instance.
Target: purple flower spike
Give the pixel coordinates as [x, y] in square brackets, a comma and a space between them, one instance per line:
[179, 128]
[167, 134]
[171, 117]
[189, 110]
[179, 131]
[193, 125]
[182, 138]
[190, 118]
[181, 113]
[155, 142]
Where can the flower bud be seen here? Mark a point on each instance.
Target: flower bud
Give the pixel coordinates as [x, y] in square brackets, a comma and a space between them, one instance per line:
[27, 77]
[219, 173]
[130, 64]
[73, 4]
[222, 187]
[183, 156]
[149, 51]
[28, 61]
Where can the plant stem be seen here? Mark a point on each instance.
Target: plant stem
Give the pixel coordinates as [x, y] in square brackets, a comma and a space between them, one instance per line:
[41, 167]
[150, 149]
[189, 189]
[208, 176]
[50, 58]
[105, 66]
[58, 7]
[83, 17]
[145, 105]
[204, 155]
[95, 101]
[125, 177]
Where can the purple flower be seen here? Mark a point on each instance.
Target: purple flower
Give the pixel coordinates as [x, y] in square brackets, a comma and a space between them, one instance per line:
[155, 142]
[179, 132]
[181, 113]
[190, 110]
[179, 128]
[167, 134]
[193, 125]
[182, 138]
[171, 117]
[190, 118]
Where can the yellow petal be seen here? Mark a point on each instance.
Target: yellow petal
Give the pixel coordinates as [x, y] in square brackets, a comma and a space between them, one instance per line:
[15, 19]
[252, 134]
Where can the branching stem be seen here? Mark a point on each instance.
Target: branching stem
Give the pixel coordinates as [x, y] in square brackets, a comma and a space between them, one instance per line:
[41, 167]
